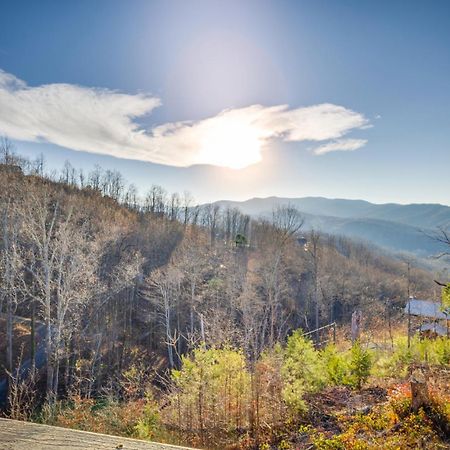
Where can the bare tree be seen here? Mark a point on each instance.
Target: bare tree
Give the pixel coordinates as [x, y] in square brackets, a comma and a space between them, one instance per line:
[68, 174]
[156, 200]
[131, 197]
[288, 220]
[274, 241]
[61, 260]
[186, 202]
[443, 236]
[166, 287]
[174, 207]
[210, 219]
[10, 267]
[313, 250]
[94, 178]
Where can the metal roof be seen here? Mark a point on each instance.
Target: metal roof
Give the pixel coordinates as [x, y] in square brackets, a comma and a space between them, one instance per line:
[425, 308]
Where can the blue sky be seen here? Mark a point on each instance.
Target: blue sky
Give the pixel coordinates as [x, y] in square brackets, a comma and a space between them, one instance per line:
[145, 83]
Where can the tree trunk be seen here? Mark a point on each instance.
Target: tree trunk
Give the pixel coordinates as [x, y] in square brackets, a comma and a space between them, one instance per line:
[33, 340]
[9, 334]
[49, 354]
[8, 292]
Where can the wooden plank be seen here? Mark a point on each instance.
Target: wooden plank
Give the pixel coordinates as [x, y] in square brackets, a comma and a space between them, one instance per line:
[26, 435]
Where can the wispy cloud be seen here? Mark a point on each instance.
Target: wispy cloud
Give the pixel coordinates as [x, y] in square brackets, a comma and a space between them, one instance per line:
[104, 121]
[342, 145]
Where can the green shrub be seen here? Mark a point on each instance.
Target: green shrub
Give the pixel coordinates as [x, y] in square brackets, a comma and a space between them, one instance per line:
[446, 297]
[302, 370]
[442, 350]
[431, 351]
[360, 365]
[211, 390]
[336, 365]
[148, 422]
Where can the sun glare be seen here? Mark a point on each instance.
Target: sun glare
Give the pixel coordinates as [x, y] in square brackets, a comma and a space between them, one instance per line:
[231, 143]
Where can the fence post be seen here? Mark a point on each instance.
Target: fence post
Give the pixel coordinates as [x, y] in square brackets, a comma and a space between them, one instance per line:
[356, 325]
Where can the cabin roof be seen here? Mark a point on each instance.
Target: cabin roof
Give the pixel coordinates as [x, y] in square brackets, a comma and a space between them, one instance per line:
[424, 308]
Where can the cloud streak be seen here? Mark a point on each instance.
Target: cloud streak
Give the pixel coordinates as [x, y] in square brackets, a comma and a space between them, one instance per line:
[342, 145]
[104, 121]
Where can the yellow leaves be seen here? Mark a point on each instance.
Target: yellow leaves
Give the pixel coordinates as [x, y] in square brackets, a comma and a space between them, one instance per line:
[134, 418]
[373, 432]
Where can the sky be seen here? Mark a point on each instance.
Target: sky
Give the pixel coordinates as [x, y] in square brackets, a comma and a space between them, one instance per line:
[235, 99]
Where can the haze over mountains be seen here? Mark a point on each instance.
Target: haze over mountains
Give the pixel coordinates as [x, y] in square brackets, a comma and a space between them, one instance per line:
[398, 228]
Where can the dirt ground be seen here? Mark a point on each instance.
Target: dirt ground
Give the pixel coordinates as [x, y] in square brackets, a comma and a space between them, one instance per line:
[25, 436]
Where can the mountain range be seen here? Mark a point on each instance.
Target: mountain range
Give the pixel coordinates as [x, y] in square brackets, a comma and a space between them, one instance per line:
[395, 227]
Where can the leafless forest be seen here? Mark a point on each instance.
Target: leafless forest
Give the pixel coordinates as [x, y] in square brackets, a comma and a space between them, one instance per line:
[98, 285]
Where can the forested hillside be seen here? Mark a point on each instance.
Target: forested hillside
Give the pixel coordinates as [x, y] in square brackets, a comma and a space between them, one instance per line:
[102, 294]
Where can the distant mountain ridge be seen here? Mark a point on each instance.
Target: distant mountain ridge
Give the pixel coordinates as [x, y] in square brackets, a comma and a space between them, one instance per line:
[427, 215]
[399, 228]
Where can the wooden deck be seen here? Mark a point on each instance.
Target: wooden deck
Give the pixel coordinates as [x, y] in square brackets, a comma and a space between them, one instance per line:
[32, 436]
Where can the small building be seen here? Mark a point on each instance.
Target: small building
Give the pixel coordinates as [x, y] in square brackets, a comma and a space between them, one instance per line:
[432, 330]
[433, 321]
[425, 308]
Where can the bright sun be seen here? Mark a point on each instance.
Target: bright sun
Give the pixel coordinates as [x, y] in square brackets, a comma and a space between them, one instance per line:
[231, 143]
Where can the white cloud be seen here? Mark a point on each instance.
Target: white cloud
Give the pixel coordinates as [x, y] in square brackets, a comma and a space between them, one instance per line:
[343, 145]
[104, 121]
